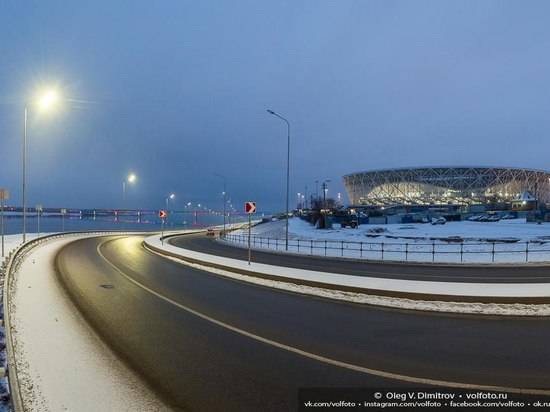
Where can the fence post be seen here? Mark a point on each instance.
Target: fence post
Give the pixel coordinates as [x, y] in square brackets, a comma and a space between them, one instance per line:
[461, 251]
[361, 253]
[311, 247]
[406, 252]
[342, 248]
[268, 243]
[298, 245]
[382, 250]
[433, 251]
[325, 247]
[493, 256]
[526, 251]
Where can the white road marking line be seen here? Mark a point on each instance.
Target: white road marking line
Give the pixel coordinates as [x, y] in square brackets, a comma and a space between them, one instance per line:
[323, 359]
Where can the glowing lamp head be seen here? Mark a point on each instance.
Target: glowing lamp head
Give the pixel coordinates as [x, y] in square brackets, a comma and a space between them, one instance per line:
[172, 196]
[48, 99]
[132, 178]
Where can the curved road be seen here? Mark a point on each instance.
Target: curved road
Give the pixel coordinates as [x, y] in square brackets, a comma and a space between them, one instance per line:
[530, 273]
[205, 342]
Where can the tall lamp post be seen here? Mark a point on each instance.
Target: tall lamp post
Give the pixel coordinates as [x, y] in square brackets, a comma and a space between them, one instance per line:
[45, 101]
[224, 198]
[131, 179]
[287, 170]
[171, 196]
[325, 191]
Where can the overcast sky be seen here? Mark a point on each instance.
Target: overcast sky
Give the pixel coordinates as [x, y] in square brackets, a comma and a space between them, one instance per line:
[177, 91]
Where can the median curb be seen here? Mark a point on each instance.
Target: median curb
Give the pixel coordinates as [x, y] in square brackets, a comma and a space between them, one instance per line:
[499, 293]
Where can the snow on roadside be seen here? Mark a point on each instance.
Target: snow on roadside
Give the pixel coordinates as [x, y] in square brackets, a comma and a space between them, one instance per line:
[61, 363]
[472, 231]
[414, 242]
[11, 242]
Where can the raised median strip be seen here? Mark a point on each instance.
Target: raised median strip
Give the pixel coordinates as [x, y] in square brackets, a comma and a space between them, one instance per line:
[507, 298]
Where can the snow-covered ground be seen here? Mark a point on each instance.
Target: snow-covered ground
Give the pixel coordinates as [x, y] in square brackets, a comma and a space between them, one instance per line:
[12, 241]
[513, 241]
[61, 363]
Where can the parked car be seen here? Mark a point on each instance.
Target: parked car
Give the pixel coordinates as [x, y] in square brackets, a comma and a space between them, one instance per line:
[439, 220]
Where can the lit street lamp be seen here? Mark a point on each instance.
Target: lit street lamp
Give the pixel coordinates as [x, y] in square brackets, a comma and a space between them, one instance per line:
[44, 102]
[171, 196]
[131, 179]
[325, 192]
[287, 169]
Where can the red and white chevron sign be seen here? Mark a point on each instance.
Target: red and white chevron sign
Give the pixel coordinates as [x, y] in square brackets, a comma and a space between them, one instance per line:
[250, 207]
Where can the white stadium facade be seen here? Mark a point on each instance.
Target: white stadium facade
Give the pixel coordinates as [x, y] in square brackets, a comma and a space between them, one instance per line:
[424, 186]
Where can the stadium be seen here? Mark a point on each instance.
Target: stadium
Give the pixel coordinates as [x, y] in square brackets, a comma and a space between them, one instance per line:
[424, 186]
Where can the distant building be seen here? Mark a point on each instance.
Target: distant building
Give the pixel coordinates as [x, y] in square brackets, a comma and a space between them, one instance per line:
[525, 201]
[449, 186]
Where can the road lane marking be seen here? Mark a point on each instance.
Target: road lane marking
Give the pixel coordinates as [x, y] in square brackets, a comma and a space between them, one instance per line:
[320, 358]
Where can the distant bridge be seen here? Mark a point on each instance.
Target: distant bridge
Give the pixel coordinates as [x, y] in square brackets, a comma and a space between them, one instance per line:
[117, 212]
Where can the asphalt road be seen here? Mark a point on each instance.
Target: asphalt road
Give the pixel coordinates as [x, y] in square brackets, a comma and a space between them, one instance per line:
[208, 343]
[411, 271]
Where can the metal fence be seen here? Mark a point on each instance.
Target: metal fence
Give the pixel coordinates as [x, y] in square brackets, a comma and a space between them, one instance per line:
[441, 252]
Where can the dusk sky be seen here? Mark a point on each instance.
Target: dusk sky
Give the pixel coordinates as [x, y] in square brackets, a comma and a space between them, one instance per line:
[177, 92]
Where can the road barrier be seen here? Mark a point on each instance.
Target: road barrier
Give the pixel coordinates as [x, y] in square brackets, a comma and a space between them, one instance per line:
[8, 270]
[452, 251]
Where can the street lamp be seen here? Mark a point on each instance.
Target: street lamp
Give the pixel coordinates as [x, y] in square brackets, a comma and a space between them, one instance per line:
[325, 192]
[44, 102]
[131, 179]
[224, 197]
[171, 196]
[287, 170]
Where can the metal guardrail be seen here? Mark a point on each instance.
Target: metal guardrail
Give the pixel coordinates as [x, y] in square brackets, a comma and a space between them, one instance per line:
[14, 259]
[388, 250]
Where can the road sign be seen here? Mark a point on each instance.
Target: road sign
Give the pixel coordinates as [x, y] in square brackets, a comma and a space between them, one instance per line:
[63, 211]
[250, 207]
[162, 214]
[4, 194]
[39, 208]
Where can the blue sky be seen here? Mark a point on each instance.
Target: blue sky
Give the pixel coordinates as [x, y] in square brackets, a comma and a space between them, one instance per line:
[177, 91]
